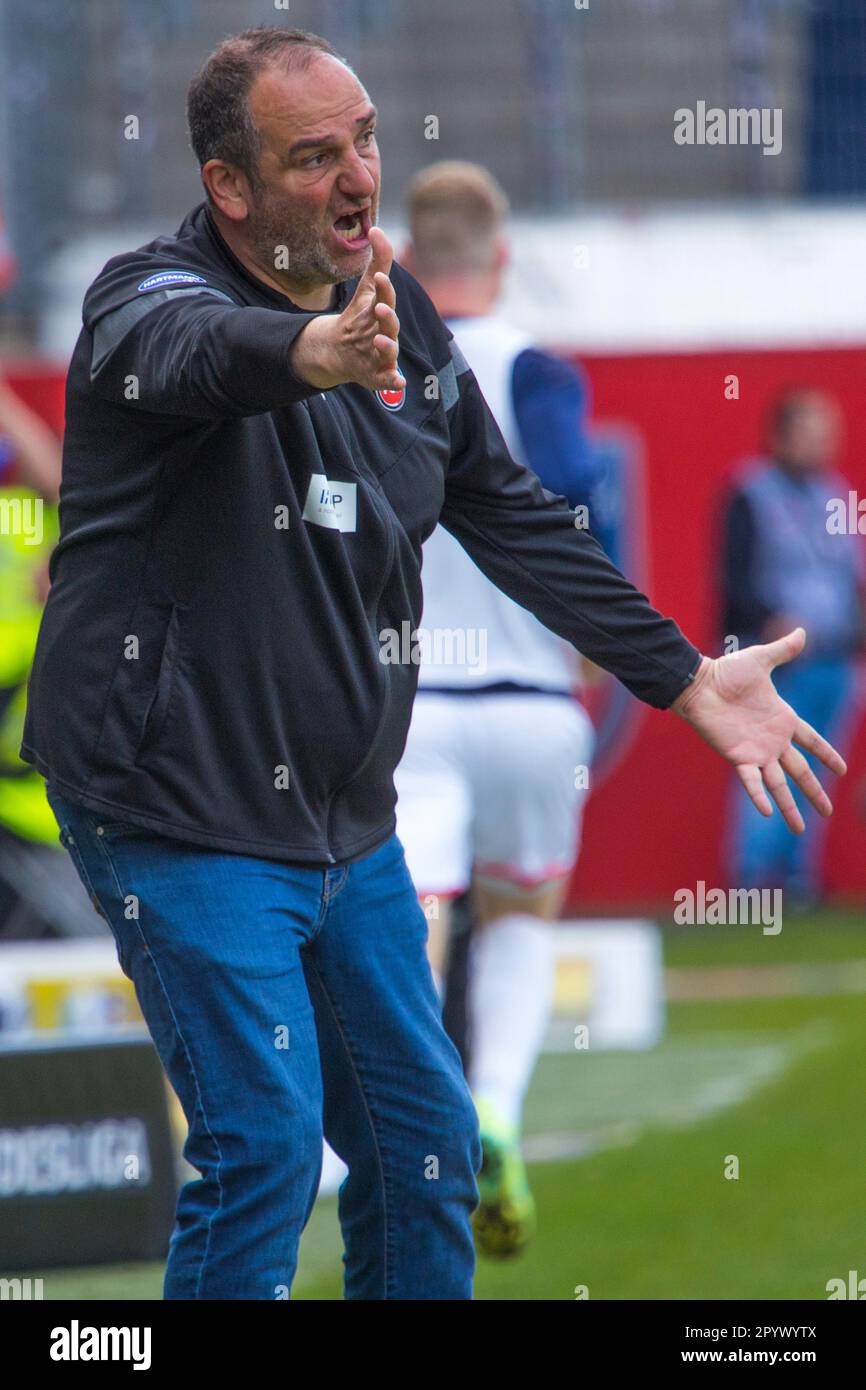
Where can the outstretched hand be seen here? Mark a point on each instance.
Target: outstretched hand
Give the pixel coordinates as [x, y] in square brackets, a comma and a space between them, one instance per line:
[362, 343]
[734, 706]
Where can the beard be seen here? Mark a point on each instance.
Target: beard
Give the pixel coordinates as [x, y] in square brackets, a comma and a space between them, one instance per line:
[277, 223]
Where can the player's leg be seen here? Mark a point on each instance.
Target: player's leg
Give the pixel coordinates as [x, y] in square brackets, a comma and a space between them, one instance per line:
[397, 1107]
[527, 834]
[530, 798]
[434, 815]
[211, 942]
[510, 986]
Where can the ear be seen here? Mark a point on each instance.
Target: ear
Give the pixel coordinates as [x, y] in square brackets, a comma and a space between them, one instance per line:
[503, 252]
[228, 189]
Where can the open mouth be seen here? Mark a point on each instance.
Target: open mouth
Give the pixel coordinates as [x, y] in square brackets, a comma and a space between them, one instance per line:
[353, 228]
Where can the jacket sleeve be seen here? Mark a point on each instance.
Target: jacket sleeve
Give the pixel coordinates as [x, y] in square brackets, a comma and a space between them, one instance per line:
[525, 540]
[193, 353]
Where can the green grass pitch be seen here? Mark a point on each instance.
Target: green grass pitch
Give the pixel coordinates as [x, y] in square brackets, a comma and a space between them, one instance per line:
[630, 1148]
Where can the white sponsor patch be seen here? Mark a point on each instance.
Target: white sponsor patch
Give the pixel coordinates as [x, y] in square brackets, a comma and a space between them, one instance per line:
[331, 504]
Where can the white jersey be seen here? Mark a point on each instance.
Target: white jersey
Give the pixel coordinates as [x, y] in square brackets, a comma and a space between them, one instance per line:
[472, 634]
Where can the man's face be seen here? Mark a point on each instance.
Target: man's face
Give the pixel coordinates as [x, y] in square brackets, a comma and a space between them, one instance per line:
[319, 173]
[811, 439]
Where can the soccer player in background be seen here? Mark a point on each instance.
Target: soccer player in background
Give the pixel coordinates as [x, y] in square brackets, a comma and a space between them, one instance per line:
[492, 783]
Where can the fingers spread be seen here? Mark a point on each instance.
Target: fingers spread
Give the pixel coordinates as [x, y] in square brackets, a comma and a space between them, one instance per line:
[388, 320]
[750, 776]
[777, 785]
[386, 349]
[385, 292]
[811, 740]
[387, 378]
[784, 648]
[380, 262]
[796, 767]
[383, 253]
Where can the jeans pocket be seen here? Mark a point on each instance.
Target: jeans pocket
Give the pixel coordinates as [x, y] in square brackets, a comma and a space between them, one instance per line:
[67, 839]
[119, 829]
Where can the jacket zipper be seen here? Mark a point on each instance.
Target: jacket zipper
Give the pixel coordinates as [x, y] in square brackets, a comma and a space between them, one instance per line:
[382, 714]
[373, 491]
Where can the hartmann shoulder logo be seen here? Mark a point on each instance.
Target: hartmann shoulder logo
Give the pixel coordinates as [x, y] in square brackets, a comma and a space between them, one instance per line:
[170, 277]
[331, 504]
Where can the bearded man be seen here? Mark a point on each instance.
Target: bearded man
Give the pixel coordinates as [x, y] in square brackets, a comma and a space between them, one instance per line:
[256, 449]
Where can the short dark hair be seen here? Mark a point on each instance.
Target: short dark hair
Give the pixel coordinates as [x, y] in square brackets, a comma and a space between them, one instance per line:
[218, 115]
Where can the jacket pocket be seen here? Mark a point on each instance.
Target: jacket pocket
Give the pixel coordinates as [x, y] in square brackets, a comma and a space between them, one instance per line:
[160, 702]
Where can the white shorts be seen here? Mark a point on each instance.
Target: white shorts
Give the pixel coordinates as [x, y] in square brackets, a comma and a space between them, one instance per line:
[492, 783]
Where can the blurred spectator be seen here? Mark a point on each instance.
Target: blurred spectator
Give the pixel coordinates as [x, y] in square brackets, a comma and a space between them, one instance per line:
[38, 893]
[783, 566]
[27, 445]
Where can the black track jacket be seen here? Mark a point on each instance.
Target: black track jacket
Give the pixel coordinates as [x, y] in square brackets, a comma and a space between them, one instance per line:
[240, 561]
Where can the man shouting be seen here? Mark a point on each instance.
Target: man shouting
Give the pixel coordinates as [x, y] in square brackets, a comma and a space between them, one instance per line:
[265, 420]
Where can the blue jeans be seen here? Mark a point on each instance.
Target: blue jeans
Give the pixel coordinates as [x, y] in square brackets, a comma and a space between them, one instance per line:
[287, 1001]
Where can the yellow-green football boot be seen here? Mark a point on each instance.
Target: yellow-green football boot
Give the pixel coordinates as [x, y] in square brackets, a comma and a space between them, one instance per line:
[504, 1221]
